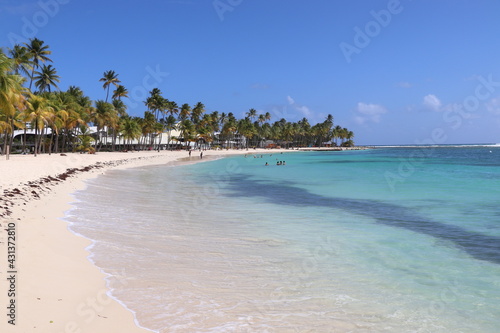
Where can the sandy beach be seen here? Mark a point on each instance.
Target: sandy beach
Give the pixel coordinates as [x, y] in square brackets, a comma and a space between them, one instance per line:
[47, 281]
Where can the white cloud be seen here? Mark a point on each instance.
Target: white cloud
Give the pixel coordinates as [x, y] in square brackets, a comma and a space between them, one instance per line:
[359, 120]
[432, 102]
[304, 110]
[369, 113]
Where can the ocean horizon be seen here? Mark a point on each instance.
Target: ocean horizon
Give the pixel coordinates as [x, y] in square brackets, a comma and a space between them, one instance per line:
[392, 239]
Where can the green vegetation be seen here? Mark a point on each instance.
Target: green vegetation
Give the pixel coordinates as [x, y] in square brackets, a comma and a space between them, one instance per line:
[70, 114]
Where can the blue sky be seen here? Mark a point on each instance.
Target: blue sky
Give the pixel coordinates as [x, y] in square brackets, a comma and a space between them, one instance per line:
[394, 72]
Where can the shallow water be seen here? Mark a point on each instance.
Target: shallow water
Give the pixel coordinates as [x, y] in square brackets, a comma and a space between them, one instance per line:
[385, 240]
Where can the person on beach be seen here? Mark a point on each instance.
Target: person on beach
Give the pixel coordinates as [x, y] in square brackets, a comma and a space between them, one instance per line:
[190, 153]
[201, 155]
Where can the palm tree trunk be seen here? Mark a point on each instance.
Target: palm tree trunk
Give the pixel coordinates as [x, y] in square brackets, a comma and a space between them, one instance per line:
[57, 144]
[4, 143]
[113, 143]
[24, 138]
[42, 134]
[99, 142]
[36, 141]
[159, 142]
[32, 74]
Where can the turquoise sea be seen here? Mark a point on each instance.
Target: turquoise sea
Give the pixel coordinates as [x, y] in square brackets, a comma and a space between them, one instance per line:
[393, 239]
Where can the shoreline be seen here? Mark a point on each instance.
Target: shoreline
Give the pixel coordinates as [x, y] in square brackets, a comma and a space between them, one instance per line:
[57, 287]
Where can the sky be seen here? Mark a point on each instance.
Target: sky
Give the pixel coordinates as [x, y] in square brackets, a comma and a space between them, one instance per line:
[393, 72]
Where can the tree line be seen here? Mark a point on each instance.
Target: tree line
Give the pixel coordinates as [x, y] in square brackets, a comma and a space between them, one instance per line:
[30, 99]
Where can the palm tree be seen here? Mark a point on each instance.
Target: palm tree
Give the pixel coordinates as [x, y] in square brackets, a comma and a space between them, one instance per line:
[109, 78]
[303, 131]
[265, 131]
[121, 110]
[130, 129]
[149, 127]
[252, 113]
[172, 107]
[229, 128]
[120, 107]
[46, 78]
[198, 110]
[156, 103]
[104, 115]
[185, 112]
[186, 127]
[261, 119]
[71, 119]
[215, 119]
[57, 125]
[85, 139]
[120, 92]
[288, 132]
[169, 124]
[75, 91]
[349, 135]
[267, 116]
[40, 114]
[246, 128]
[12, 99]
[22, 60]
[38, 53]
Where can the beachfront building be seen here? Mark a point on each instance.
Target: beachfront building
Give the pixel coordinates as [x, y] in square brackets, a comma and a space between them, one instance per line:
[103, 139]
[235, 141]
[24, 139]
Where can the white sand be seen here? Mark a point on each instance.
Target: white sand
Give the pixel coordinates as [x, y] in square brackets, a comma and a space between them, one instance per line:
[57, 288]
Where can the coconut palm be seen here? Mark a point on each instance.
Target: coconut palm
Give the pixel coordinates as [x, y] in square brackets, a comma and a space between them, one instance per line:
[72, 121]
[169, 124]
[41, 115]
[148, 126]
[85, 139]
[156, 103]
[267, 116]
[120, 92]
[185, 112]
[229, 129]
[252, 113]
[38, 54]
[261, 119]
[130, 129]
[349, 135]
[74, 91]
[172, 107]
[12, 99]
[46, 78]
[109, 78]
[304, 130]
[187, 130]
[121, 111]
[120, 107]
[197, 111]
[215, 121]
[104, 115]
[246, 128]
[22, 60]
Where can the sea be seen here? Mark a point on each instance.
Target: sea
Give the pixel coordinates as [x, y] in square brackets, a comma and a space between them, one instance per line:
[390, 239]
